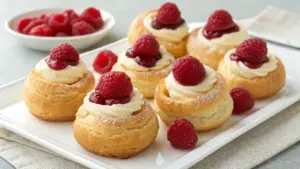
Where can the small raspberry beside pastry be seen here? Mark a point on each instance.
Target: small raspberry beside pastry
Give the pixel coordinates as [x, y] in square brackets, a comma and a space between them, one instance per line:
[193, 92]
[103, 63]
[166, 25]
[220, 34]
[114, 119]
[253, 67]
[55, 88]
[146, 63]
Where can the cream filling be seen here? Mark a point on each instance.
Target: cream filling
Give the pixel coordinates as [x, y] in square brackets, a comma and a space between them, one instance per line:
[68, 75]
[242, 70]
[115, 110]
[180, 92]
[131, 64]
[175, 35]
[229, 39]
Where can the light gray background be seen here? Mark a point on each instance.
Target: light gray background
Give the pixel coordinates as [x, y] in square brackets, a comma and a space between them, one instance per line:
[16, 61]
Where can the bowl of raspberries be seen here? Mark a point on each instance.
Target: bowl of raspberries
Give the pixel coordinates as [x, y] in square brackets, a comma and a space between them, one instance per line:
[44, 29]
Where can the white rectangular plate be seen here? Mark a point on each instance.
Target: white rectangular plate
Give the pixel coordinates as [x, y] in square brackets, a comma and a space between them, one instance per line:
[59, 138]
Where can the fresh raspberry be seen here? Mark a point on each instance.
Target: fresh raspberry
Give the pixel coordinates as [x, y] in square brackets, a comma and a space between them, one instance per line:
[41, 30]
[219, 20]
[61, 34]
[182, 134]
[114, 85]
[252, 50]
[97, 98]
[30, 25]
[92, 16]
[66, 53]
[56, 64]
[146, 45]
[118, 101]
[71, 23]
[58, 22]
[168, 14]
[242, 100]
[104, 61]
[71, 14]
[44, 18]
[23, 23]
[82, 28]
[188, 71]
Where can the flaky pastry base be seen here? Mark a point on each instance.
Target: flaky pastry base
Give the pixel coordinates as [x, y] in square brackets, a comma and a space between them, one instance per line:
[259, 87]
[145, 82]
[208, 111]
[114, 137]
[53, 101]
[137, 29]
[207, 55]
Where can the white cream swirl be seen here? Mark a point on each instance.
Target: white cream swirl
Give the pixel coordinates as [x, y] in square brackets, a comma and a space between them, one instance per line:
[175, 35]
[180, 92]
[130, 63]
[229, 39]
[241, 69]
[68, 75]
[115, 110]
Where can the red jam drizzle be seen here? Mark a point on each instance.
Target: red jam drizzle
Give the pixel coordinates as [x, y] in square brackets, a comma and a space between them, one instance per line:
[157, 25]
[148, 61]
[213, 35]
[233, 57]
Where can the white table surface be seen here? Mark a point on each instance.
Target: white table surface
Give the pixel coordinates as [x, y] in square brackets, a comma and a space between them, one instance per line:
[16, 61]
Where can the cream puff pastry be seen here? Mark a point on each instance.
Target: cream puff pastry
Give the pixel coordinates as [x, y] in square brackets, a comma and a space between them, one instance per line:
[251, 66]
[55, 88]
[112, 125]
[210, 43]
[166, 25]
[146, 63]
[204, 100]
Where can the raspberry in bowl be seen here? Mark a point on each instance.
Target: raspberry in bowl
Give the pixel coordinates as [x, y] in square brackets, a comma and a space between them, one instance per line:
[44, 29]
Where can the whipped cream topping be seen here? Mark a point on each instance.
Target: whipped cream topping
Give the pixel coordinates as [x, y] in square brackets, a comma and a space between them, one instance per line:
[68, 75]
[229, 39]
[115, 110]
[175, 35]
[241, 69]
[130, 63]
[180, 92]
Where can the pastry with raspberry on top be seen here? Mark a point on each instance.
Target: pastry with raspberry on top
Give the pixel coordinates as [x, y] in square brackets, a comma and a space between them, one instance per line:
[115, 120]
[146, 63]
[220, 34]
[166, 24]
[55, 88]
[194, 92]
[253, 67]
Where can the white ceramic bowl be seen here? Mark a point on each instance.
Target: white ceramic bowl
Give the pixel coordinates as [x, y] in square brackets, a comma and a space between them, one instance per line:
[47, 43]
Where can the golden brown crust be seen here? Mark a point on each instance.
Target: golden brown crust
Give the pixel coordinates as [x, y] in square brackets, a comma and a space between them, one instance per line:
[259, 87]
[53, 101]
[145, 82]
[209, 110]
[136, 29]
[113, 137]
[205, 54]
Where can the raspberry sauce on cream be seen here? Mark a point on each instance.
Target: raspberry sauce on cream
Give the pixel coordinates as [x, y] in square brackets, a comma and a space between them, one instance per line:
[157, 25]
[236, 58]
[217, 34]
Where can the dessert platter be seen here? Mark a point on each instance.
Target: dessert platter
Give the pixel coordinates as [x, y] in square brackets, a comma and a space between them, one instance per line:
[165, 97]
